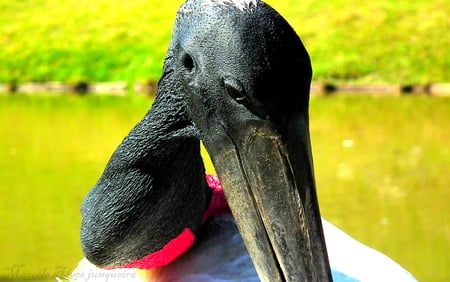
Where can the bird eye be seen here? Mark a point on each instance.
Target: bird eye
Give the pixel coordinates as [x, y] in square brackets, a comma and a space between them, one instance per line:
[235, 90]
[188, 62]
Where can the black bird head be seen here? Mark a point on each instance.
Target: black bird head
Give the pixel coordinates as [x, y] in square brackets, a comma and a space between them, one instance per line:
[248, 50]
[237, 77]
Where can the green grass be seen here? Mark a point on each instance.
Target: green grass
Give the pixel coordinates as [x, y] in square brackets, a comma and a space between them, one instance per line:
[389, 189]
[103, 40]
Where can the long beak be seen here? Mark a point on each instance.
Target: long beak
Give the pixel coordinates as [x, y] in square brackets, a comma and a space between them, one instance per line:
[268, 181]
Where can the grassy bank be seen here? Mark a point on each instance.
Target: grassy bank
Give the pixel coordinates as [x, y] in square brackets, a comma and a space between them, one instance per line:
[381, 170]
[103, 40]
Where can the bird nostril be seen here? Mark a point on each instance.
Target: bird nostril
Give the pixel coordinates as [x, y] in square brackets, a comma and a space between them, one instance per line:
[188, 62]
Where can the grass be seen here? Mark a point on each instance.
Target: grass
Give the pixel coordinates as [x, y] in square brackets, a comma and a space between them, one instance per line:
[381, 169]
[81, 40]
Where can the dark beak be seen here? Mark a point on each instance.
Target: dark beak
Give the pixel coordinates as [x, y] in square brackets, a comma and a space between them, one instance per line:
[267, 175]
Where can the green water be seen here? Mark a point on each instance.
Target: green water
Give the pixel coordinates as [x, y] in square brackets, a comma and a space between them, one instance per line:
[381, 167]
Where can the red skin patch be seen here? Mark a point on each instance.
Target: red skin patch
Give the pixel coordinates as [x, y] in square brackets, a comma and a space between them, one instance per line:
[175, 248]
[179, 245]
[218, 204]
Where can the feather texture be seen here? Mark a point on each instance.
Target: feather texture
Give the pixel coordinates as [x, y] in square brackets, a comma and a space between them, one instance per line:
[222, 256]
[243, 5]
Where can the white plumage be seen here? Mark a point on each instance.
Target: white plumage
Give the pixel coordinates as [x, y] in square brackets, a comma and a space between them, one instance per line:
[221, 256]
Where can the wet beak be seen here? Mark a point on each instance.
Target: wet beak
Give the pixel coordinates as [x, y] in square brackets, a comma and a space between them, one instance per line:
[268, 181]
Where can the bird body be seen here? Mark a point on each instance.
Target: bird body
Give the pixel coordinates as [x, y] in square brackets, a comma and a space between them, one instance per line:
[220, 255]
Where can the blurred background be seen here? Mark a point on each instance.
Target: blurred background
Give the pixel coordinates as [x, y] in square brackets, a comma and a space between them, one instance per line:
[382, 162]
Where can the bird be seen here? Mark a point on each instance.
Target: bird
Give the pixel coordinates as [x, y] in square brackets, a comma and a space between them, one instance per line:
[236, 77]
[222, 256]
